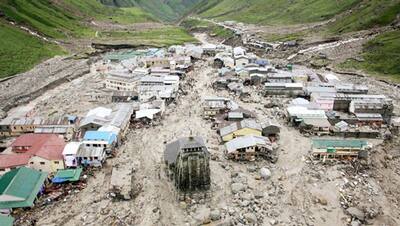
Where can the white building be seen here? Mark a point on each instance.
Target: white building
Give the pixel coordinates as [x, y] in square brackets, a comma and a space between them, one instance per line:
[121, 81]
[70, 152]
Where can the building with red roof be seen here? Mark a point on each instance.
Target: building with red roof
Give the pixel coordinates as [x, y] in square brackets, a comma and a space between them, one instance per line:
[44, 151]
[12, 161]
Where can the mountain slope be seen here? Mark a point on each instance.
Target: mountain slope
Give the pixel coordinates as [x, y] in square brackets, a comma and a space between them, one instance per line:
[19, 51]
[350, 15]
[269, 12]
[61, 19]
[165, 10]
[380, 57]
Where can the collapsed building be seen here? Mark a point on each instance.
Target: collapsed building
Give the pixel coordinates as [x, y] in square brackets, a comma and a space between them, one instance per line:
[215, 105]
[187, 161]
[249, 148]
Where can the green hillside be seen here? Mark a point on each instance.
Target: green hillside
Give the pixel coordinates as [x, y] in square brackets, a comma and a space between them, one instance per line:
[381, 56]
[367, 14]
[61, 19]
[20, 51]
[272, 12]
[165, 10]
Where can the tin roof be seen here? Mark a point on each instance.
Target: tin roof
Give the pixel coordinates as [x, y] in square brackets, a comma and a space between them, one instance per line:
[6, 220]
[246, 123]
[71, 148]
[13, 160]
[109, 137]
[67, 175]
[245, 141]
[329, 143]
[19, 187]
[47, 146]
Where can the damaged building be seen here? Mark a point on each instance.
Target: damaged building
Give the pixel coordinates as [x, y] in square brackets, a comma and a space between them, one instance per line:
[187, 160]
[249, 148]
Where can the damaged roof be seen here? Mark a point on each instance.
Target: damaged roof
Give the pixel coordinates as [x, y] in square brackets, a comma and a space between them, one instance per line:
[245, 141]
[247, 123]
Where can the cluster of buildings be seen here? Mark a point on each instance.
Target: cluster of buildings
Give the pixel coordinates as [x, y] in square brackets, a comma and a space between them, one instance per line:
[322, 104]
[342, 109]
[245, 139]
[56, 150]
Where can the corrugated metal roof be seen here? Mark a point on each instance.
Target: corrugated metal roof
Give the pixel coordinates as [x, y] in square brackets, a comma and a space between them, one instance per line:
[71, 148]
[6, 220]
[65, 175]
[245, 141]
[247, 123]
[329, 143]
[19, 187]
[48, 146]
[13, 160]
[122, 116]
[109, 137]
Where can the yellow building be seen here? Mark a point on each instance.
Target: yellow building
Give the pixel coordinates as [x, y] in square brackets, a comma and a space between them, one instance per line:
[46, 165]
[242, 128]
[44, 151]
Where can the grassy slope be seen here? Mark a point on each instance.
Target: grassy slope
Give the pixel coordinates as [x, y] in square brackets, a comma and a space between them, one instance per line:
[165, 36]
[170, 10]
[274, 11]
[381, 56]
[64, 18]
[20, 51]
[367, 15]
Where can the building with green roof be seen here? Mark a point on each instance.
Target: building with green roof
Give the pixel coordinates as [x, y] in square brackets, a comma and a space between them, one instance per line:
[20, 187]
[6, 220]
[331, 148]
[67, 175]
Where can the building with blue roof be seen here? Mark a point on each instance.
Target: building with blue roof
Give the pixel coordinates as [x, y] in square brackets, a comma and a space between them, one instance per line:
[104, 136]
[104, 140]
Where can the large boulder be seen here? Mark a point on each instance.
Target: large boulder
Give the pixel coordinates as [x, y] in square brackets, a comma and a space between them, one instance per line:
[237, 187]
[215, 215]
[356, 213]
[265, 173]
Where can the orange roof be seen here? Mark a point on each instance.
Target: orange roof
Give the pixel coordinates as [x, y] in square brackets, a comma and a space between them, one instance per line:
[13, 160]
[47, 146]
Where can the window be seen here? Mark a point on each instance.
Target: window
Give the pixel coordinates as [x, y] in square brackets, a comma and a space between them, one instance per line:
[56, 162]
[42, 163]
[31, 163]
[96, 158]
